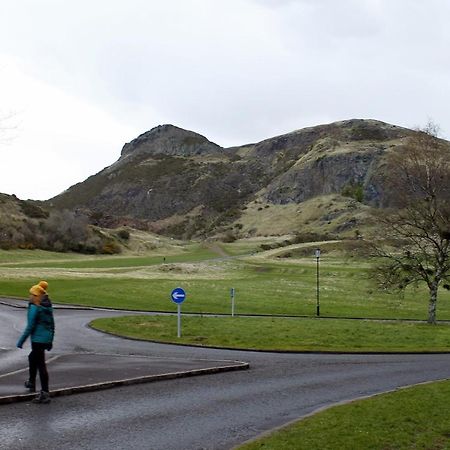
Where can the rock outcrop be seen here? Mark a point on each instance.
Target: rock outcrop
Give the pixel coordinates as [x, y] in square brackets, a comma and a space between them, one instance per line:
[176, 179]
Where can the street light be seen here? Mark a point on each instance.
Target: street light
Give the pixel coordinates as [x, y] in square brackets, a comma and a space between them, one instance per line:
[317, 272]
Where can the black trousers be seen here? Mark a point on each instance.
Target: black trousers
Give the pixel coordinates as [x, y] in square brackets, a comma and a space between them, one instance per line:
[36, 360]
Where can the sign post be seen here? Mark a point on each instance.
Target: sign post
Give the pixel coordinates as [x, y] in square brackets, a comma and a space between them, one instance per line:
[179, 320]
[232, 293]
[317, 255]
[178, 296]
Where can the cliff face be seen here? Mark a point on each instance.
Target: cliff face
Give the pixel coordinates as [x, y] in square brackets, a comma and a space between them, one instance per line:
[168, 174]
[326, 159]
[169, 140]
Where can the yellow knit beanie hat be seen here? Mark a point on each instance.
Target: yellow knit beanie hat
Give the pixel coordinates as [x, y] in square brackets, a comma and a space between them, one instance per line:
[43, 285]
[37, 290]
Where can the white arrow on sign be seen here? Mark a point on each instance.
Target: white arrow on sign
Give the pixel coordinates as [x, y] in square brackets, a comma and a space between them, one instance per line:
[177, 295]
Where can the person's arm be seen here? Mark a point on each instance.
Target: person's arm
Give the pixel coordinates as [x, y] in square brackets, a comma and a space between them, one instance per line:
[31, 322]
[50, 345]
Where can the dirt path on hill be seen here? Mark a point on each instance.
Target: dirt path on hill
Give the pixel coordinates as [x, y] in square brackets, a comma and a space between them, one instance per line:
[216, 248]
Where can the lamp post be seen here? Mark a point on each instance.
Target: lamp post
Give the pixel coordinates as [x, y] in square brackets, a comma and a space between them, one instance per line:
[317, 288]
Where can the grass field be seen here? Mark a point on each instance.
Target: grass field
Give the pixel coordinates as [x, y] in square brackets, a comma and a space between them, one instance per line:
[42, 259]
[263, 284]
[413, 418]
[298, 334]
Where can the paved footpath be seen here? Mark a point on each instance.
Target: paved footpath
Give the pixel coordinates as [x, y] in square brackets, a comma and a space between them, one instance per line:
[198, 412]
[84, 371]
[81, 372]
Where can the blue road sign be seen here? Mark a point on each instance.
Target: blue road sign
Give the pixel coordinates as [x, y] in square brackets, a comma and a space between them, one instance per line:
[178, 295]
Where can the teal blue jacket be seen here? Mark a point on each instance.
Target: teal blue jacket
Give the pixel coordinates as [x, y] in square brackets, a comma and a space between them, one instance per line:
[40, 323]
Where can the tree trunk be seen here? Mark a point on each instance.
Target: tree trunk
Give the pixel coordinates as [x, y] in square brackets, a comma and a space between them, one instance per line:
[432, 304]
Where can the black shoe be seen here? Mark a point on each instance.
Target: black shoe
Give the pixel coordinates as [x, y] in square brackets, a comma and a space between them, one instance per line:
[42, 397]
[30, 386]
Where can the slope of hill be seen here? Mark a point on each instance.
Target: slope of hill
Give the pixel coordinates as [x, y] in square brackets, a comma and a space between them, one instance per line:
[26, 225]
[17, 220]
[177, 182]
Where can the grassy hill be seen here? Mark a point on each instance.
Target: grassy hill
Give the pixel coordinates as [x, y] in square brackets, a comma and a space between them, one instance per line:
[330, 216]
[26, 225]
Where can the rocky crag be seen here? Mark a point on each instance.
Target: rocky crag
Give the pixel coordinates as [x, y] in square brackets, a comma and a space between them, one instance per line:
[177, 182]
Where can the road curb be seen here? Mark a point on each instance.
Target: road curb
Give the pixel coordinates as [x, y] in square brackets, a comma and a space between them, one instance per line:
[55, 306]
[127, 382]
[316, 411]
[255, 350]
[76, 306]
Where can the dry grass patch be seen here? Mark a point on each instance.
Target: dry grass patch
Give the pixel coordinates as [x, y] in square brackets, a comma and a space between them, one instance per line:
[331, 214]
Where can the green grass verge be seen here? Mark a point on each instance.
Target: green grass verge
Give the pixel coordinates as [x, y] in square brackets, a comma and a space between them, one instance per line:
[264, 333]
[30, 256]
[413, 418]
[262, 286]
[67, 261]
[260, 289]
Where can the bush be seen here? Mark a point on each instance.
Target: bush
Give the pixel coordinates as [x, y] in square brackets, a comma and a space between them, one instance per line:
[229, 237]
[111, 248]
[123, 234]
[65, 231]
[355, 191]
[33, 211]
[301, 238]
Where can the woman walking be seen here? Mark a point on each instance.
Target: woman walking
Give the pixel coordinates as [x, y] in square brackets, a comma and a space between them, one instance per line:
[41, 329]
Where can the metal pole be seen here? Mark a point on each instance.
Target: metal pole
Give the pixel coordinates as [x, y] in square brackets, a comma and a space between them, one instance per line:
[232, 302]
[318, 302]
[317, 287]
[179, 320]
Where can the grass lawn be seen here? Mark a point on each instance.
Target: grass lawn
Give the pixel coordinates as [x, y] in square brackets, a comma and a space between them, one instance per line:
[263, 283]
[29, 256]
[413, 418]
[298, 334]
[71, 260]
[261, 288]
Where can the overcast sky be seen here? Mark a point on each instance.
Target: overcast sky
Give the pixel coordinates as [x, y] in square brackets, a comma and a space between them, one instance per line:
[83, 77]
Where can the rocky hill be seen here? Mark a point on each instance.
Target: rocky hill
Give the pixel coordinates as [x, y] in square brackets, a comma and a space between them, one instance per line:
[177, 182]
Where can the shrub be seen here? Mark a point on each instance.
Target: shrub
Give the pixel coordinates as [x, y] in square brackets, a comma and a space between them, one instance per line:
[229, 237]
[301, 238]
[65, 231]
[33, 211]
[355, 191]
[111, 248]
[123, 234]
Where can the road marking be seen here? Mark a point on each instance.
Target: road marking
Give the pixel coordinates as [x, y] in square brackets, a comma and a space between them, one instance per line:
[26, 368]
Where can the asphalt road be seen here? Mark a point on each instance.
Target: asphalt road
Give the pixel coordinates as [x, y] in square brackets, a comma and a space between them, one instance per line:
[209, 412]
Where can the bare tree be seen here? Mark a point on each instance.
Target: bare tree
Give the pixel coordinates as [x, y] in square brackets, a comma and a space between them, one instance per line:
[417, 224]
